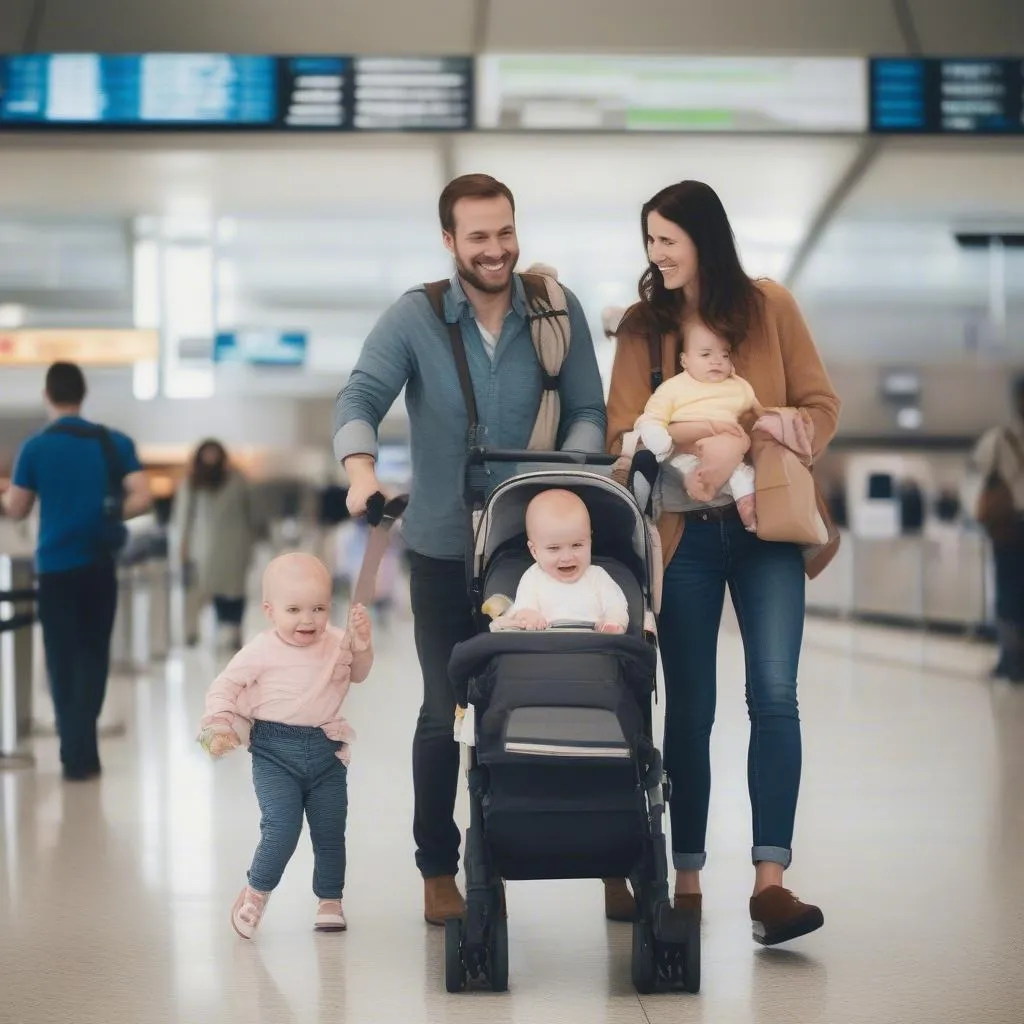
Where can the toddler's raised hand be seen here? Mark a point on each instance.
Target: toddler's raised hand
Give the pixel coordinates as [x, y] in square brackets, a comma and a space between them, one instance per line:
[359, 628]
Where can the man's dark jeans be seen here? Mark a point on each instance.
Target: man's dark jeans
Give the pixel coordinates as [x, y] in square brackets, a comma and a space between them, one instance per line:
[442, 618]
[76, 609]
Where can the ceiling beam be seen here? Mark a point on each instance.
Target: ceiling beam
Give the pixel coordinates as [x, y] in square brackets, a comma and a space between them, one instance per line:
[36, 18]
[865, 156]
[481, 25]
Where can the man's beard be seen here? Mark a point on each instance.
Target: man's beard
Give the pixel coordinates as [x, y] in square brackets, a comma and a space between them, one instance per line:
[470, 276]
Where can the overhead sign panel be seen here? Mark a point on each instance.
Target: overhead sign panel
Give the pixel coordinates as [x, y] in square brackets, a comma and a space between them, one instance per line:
[401, 93]
[314, 92]
[671, 94]
[973, 96]
[157, 90]
[88, 347]
[226, 92]
[256, 347]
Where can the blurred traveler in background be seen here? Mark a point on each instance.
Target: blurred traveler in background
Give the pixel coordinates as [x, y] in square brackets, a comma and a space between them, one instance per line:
[214, 521]
[88, 480]
[999, 458]
[481, 319]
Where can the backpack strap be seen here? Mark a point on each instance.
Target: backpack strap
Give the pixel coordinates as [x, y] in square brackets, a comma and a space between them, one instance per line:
[111, 460]
[541, 313]
[436, 291]
[551, 333]
[551, 336]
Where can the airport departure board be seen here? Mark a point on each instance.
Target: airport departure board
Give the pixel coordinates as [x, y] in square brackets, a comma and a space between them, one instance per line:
[331, 93]
[949, 96]
[226, 92]
[406, 93]
[658, 93]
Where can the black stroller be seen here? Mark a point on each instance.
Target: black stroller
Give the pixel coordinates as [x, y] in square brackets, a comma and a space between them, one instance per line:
[564, 777]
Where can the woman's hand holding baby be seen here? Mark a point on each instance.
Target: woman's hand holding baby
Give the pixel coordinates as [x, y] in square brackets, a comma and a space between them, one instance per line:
[719, 456]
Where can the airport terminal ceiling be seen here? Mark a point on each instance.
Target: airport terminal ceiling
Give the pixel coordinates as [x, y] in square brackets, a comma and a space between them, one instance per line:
[815, 27]
[324, 231]
[323, 225]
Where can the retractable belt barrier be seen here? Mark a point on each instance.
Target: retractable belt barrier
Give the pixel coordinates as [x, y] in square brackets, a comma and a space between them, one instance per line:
[18, 598]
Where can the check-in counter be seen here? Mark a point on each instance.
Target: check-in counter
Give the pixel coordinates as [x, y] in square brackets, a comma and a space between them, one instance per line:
[936, 579]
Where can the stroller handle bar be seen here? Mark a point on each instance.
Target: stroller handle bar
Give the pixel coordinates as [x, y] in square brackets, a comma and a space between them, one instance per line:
[480, 456]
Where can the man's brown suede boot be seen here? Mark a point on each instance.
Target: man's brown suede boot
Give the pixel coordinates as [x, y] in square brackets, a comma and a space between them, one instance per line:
[442, 899]
[619, 904]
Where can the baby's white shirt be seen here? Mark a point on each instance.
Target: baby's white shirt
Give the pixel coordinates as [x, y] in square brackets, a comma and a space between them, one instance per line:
[594, 597]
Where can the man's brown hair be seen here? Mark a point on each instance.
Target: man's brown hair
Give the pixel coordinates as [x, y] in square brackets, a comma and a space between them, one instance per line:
[469, 186]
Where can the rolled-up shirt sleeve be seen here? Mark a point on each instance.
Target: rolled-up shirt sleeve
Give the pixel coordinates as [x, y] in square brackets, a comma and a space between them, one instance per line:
[382, 370]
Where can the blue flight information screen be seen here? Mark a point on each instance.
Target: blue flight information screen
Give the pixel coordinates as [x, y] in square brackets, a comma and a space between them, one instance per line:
[162, 89]
[949, 96]
[225, 92]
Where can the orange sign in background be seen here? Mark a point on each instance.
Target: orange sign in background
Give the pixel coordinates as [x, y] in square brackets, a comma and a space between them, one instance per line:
[87, 347]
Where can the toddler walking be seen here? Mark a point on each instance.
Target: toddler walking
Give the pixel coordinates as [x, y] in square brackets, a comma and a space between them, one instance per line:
[282, 693]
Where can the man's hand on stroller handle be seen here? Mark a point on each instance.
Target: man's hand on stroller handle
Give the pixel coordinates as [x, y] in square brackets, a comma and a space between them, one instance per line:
[363, 483]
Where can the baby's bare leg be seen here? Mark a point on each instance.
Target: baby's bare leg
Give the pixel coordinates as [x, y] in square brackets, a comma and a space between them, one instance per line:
[741, 484]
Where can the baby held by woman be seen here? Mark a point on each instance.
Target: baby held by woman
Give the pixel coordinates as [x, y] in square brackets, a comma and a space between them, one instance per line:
[708, 390]
[282, 694]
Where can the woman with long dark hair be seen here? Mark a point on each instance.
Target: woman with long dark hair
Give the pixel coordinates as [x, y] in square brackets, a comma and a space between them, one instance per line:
[695, 290]
[214, 521]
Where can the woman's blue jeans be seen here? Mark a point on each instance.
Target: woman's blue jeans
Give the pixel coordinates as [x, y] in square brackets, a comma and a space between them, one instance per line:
[767, 584]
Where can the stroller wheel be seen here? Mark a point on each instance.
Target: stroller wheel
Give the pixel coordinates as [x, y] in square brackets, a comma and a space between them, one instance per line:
[691, 961]
[454, 967]
[644, 967]
[498, 955]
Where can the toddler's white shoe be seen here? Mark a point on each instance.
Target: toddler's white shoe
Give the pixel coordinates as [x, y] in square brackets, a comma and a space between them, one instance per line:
[330, 917]
[248, 911]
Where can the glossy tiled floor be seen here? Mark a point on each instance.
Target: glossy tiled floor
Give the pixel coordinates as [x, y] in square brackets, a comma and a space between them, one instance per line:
[114, 896]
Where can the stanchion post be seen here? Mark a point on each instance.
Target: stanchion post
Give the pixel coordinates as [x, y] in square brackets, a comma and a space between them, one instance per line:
[11, 712]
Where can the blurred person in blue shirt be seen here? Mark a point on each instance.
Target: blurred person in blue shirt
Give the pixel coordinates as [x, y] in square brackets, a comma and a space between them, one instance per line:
[88, 480]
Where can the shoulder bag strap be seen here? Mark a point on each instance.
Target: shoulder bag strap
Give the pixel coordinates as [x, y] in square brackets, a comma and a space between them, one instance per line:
[111, 460]
[435, 294]
[654, 346]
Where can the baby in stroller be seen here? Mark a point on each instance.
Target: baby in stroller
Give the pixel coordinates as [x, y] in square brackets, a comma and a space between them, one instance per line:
[564, 778]
[563, 586]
